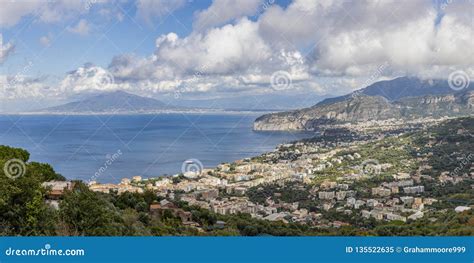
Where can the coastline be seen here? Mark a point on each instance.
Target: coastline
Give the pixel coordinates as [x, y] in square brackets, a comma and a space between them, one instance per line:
[78, 146]
[191, 112]
[328, 170]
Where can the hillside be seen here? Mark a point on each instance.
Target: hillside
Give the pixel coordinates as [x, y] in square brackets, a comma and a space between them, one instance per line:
[399, 88]
[376, 102]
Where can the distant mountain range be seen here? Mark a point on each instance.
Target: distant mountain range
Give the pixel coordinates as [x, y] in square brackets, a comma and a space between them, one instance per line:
[113, 102]
[121, 102]
[401, 87]
[404, 97]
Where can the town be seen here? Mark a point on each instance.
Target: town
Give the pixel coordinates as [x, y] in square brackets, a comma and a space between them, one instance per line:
[380, 172]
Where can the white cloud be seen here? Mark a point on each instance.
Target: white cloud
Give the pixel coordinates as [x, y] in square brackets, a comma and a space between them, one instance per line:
[355, 37]
[23, 93]
[232, 57]
[12, 11]
[225, 50]
[325, 46]
[55, 11]
[148, 10]
[416, 48]
[222, 11]
[5, 49]
[88, 78]
[81, 28]
[353, 41]
[21, 86]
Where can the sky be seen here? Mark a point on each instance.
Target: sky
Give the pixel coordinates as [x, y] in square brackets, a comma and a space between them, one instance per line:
[55, 51]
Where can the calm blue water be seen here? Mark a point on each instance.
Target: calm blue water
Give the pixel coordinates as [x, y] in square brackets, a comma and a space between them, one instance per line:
[151, 145]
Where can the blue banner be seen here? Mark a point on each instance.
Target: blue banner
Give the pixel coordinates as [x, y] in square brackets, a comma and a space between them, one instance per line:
[237, 249]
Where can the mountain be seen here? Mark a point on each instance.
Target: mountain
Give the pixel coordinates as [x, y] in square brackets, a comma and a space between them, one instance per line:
[112, 102]
[461, 103]
[401, 87]
[357, 108]
[376, 102]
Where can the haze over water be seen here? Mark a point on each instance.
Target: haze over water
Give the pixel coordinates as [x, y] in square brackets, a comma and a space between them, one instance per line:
[150, 145]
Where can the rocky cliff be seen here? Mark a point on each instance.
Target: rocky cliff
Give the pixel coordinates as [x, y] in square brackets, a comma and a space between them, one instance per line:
[360, 107]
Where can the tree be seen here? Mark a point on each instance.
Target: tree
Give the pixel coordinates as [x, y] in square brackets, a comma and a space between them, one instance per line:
[22, 198]
[86, 213]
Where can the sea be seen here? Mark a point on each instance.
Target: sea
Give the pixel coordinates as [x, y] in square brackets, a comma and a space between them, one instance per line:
[107, 148]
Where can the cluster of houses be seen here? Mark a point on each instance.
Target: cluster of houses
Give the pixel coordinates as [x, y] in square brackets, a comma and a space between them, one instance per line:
[124, 186]
[223, 189]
